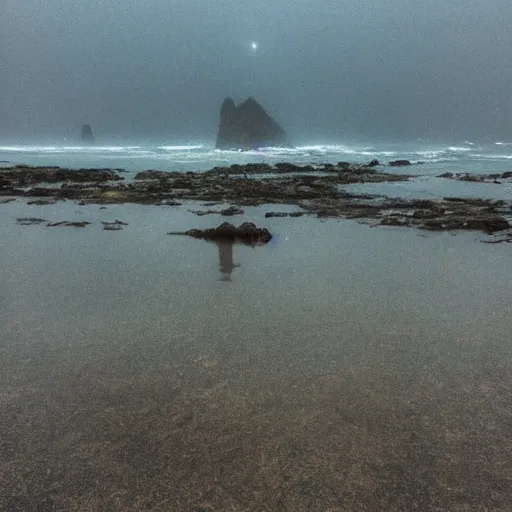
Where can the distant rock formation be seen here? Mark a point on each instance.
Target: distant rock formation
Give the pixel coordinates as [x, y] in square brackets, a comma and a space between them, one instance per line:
[248, 126]
[87, 135]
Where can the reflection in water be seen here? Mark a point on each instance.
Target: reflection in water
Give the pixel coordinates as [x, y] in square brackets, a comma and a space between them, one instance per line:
[226, 264]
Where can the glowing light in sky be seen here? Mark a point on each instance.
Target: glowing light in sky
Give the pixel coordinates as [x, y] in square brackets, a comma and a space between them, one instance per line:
[254, 46]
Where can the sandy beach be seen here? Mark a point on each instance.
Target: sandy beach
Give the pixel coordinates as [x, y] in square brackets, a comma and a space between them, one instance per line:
[340, 367]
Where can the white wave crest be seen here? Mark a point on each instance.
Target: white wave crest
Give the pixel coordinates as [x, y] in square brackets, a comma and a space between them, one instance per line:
[456, 148]
[180, 148]
[491, 157]
[67, 149]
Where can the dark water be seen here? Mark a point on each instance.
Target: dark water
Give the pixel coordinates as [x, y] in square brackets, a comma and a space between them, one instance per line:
[341, 367]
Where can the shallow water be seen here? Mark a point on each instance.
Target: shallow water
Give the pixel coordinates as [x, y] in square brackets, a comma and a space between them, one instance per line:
[430, 187]
[340, 367]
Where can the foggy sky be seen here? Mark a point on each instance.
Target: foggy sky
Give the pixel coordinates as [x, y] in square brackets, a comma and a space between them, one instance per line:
[325, 69]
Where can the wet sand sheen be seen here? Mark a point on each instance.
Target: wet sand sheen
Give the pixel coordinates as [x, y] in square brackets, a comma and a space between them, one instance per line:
[340, 368]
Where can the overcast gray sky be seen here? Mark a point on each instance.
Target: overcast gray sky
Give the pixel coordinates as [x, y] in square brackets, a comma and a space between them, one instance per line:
[327, 69]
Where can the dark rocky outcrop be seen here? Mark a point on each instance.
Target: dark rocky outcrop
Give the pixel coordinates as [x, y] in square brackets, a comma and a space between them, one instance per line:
[316, 190]
[498, 179]
[399, 163]
[87, 135]
[487, 223]
[248, 126]
[23, 175]
[246, 233]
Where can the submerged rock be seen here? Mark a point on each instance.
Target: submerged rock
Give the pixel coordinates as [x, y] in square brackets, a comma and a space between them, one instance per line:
[68, 223]
[230, 211]
[116, 225]
[283, 214]
[28, 221]
[41, 202]
[478, 178]
[246, 233]
[248, 126]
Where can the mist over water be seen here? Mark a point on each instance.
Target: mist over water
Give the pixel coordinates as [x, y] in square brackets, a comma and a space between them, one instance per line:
[324, 70]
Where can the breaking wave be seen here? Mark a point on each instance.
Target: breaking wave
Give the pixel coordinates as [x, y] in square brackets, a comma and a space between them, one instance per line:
[202, 156]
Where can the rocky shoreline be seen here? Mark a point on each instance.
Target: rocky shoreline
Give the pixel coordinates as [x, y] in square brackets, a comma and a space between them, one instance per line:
[314, 190]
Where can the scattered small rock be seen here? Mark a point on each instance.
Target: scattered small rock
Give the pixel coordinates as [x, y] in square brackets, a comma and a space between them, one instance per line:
[42, 202]
[71, 224]
[28, 221]
[232, 210]
[316, 189]
[116, 225]
[478, 178]
[170, 202]
[284, 214]
[399, 163]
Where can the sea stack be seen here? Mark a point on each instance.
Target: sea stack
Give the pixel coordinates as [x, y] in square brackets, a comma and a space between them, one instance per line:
[87, 135]
[248, 126]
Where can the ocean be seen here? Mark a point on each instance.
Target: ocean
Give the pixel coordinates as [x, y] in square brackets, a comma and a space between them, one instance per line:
[429, 158]
[340, 367]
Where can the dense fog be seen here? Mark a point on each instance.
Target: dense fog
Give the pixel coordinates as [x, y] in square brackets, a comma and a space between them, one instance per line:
[325, 69]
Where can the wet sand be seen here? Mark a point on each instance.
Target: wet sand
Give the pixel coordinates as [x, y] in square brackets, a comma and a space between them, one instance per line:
[340, 367]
